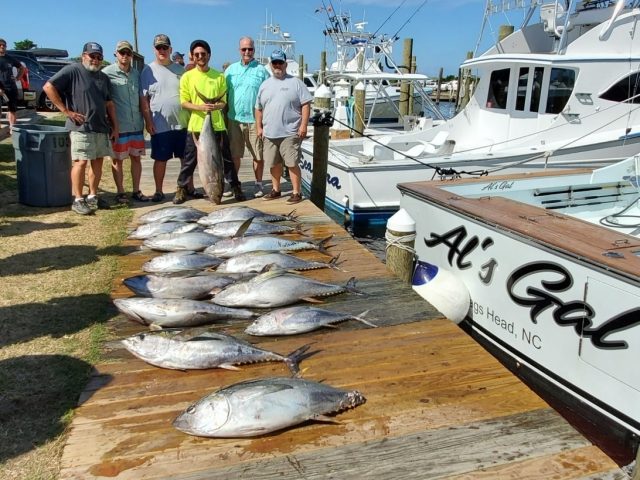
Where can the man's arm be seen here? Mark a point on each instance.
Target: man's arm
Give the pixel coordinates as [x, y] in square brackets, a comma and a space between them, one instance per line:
[304, 122]
[145, 108]
[54, 96]
[111, 112]
[259, 129]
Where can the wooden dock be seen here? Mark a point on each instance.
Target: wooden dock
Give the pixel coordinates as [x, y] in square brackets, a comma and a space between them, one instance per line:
[438, 405]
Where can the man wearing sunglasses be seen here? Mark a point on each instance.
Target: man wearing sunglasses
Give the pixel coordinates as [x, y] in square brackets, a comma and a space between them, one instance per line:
[282, 114]
[243, 81]
[127, 97]
[165, 119]
[81, 92]
[204, 81]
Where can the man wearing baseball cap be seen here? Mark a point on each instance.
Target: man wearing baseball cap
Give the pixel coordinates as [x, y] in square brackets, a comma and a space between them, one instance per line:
[125, 90]
[210, 83]
[165, 119]
[178, 58]
[81, 92]
[283, 107]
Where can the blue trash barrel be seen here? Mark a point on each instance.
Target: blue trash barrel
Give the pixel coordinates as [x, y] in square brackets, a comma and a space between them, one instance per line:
[43, 161]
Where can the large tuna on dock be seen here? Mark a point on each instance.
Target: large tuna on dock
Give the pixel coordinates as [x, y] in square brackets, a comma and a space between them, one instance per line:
[257, 407]
[194, 287]
[278, 288]
[257, 261]
[148, 230]
[230, 247]
[174, 242]
[172, 214]
[176, 262]
[294, 320]
[241, 213]
[175, 312]
[210, 166]
[197, 349]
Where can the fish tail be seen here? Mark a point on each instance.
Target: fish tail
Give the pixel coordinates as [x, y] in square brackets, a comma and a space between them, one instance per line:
[294, 358]
[350, 286]
[335, 261]
[292, 216]
[361, 316]
[322, 245]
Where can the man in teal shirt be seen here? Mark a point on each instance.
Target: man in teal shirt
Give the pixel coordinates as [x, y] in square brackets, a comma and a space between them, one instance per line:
[127, 96]
[243, 81]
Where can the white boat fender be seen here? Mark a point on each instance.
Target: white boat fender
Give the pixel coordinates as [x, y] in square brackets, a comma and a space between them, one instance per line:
[442, 289]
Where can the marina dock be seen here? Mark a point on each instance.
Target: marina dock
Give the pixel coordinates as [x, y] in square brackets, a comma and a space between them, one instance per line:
[438, 405]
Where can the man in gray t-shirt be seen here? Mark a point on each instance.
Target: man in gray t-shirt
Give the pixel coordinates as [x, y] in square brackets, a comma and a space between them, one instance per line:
[282, 114]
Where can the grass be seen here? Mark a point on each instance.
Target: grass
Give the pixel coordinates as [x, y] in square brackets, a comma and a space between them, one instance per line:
[57, 270]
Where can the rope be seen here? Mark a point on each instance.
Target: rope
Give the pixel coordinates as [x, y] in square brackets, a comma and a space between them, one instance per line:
[399, 241]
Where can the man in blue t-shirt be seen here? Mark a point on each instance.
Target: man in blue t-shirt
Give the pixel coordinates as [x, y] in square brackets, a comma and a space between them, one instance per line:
[243, 81]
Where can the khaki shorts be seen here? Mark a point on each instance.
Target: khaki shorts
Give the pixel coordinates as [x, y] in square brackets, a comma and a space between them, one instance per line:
[244, 134]
[286, 150]
[90, 145]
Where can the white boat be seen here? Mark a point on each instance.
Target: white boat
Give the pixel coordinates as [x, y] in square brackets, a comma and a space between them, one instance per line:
[559, 93]
[544, 269]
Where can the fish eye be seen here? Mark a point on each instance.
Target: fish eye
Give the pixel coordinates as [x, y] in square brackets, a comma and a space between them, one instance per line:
[141, 336]
[191, 409]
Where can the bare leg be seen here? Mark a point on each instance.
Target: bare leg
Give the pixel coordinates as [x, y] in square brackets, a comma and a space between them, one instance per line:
[276, 174]
[95, 174]
[77, 177]
[295, 175]
[12, 119]
[118, 174]
[136, 172]
[159, 169]
[258, 169]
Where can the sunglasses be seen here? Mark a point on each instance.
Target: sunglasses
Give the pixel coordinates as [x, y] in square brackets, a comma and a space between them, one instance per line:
[200, 54]
[162, 47]
[95, 56]
[277, 62]
[247, 49]
[125, 53]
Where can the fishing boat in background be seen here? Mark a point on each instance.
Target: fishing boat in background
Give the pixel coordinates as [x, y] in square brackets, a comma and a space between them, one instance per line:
[544, 269]
[561, 92]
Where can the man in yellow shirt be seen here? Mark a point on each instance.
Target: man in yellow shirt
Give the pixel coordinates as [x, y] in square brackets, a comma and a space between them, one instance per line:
[209, 83]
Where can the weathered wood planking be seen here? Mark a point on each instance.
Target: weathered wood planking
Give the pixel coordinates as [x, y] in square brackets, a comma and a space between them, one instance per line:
[437, 406]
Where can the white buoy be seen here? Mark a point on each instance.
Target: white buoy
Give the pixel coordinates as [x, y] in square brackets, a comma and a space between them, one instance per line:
[400, 236]
[322, 97]
[442, 289]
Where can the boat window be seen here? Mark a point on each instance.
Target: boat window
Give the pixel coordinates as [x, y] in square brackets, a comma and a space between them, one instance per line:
[561, 84]
[534, 104]
[498, 89]
[523, 79]
[626, 89]
[308, 82]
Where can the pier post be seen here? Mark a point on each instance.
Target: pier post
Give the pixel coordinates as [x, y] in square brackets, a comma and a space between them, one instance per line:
[321, 123]
[358, 124]
[323, 67]
[301, 67]
[439, 87]
[411, 93]
[407, 53]
[465, 82]
[401, 236]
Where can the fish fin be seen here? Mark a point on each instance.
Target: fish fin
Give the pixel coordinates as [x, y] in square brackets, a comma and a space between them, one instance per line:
[228, 366]
[212, 99]
[292, 216]
[360, 318]
[294, 358]
[335, 262]
[350, 286]
[322, 246]
[311, 300]
[243, 228]
[326, 419]
[269, 273]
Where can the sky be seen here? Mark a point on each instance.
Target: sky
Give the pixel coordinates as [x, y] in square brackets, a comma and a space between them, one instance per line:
[442, 31]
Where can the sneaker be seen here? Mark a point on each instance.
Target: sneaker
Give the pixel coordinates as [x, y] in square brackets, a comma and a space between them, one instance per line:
[96, 203]
[80, 207]
[238, 194]
[295, 198]
[180, 196]
[272, 195]
[227, 191]
[258, 191]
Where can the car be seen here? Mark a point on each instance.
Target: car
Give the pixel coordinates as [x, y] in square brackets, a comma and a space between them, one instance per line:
[53, 64]
[38, 76]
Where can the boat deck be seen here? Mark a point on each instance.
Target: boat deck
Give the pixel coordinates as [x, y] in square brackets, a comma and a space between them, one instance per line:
[438, 405]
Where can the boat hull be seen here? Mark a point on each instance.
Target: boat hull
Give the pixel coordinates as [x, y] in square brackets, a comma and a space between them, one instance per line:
[571, 319]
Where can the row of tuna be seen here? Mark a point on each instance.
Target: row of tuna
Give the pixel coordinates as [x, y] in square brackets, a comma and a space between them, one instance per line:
[219, 267]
